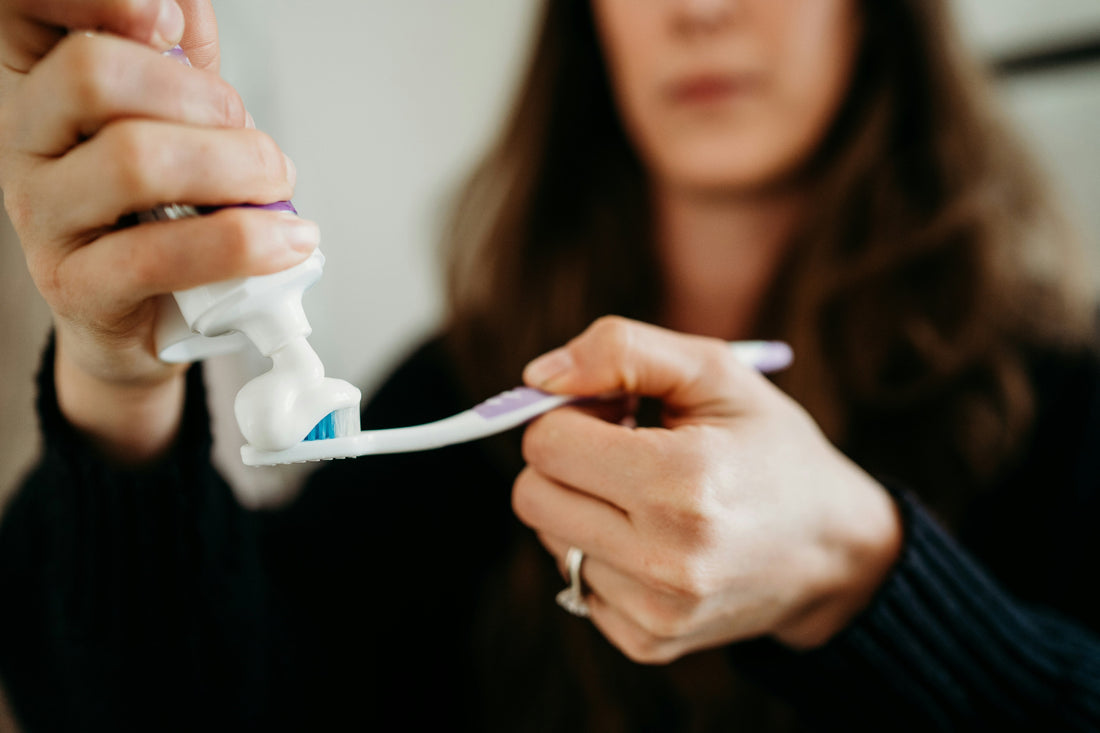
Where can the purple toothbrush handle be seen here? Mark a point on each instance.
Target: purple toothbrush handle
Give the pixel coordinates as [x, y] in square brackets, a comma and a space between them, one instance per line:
[510, 401]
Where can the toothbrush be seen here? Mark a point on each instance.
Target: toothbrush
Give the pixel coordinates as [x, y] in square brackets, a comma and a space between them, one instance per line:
[338, 435]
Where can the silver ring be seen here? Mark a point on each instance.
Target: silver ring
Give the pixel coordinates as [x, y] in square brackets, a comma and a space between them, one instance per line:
[571, 599]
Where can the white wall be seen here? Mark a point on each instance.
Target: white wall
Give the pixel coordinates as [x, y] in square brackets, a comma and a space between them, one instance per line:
[998, 27]
[1057, 110]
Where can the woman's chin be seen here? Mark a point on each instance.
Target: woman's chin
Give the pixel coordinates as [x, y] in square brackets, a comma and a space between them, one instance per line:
[713, 172]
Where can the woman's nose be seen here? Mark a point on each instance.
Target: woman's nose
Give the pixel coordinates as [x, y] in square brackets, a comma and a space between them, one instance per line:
[705, 14]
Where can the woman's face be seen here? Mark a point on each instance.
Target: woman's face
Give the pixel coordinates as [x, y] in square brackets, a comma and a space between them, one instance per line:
[727, 95]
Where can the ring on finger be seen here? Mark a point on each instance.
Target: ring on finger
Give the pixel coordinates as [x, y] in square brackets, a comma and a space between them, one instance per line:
[572, 597]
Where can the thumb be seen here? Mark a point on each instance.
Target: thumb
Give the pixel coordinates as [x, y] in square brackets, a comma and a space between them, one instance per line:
[30, 28]
[689, 374]
[200, 35]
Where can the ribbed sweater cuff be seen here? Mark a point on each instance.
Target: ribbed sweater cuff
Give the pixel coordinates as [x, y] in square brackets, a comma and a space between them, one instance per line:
[941, 644]
[64, 448]
[114, 580]
[88, 532]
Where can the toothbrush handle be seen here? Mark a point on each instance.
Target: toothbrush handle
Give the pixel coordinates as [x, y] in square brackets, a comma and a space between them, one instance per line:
[517, 406]
[497, 414]
[763, 356]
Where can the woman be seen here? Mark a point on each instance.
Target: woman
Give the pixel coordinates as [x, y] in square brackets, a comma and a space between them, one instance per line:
[827, 173]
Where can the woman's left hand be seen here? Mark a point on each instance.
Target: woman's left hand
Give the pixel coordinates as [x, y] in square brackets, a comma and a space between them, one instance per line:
[735, 519]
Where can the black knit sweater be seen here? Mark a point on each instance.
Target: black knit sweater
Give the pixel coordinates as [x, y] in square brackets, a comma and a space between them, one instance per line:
[400, 592]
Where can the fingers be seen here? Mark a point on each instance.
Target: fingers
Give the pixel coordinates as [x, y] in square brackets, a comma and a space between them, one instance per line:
[89, 81]
[135, 165]
[647, 624]
[606, 460]
[690, 374]
[200, 38]
[24, 41]
[631, 638]
[29, 28]
[125, 267]
[563, 512]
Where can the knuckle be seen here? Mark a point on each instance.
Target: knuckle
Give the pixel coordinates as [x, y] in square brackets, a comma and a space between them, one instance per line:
[690, 521]
[241, 236]
[523, 504]
[680, 578]
[717, 361]
[658, 620]
[136, 18]
[609, 323]
[682, 503]
[534, 443]
[609, 343]
[20, 207]
[89, 76]
[684, 461]
[43, 272]
[646, 649]
[693, 581]
[74, 54]
[267, 156]
[614, 332]
[143, 270]
[136, 158]
[232, 106]
[90, 72]
[8, 118]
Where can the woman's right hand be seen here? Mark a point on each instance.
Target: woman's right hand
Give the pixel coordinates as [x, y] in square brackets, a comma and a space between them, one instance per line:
[104, 126]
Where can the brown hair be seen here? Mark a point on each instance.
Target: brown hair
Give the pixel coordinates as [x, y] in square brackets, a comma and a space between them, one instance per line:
[930, 264]
[930, 267]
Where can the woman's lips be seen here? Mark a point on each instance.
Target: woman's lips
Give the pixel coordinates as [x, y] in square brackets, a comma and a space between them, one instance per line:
[708, 88]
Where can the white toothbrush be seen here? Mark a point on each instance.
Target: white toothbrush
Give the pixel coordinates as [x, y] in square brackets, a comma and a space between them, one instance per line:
[497, 414]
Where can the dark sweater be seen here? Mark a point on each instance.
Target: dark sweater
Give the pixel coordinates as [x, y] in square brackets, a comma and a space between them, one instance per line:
[400, 592]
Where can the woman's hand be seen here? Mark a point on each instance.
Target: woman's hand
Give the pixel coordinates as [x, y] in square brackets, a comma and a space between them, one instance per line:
[103, 126]
[736, 519]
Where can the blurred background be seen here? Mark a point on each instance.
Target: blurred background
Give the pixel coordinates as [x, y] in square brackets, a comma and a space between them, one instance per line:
[385, 105]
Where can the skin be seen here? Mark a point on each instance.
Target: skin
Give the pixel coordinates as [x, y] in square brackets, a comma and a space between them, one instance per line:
[723, 165]
[96, 126]
[781, 68]
[736, 518]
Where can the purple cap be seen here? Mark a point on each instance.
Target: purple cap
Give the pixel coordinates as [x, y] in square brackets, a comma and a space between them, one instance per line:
[277, 206]
[178, 54]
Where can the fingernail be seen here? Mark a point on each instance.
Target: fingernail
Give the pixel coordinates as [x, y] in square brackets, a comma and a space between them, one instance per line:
[548, 368]
[248, 121]
[169, 27]
[291, 171]
[301, 235]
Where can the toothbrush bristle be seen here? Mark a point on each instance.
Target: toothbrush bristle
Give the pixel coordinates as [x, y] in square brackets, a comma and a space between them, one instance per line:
[322, 430]
[336, 424]
[345, 422]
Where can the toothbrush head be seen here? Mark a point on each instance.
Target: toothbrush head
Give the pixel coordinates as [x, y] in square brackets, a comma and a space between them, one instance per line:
[335, 436]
